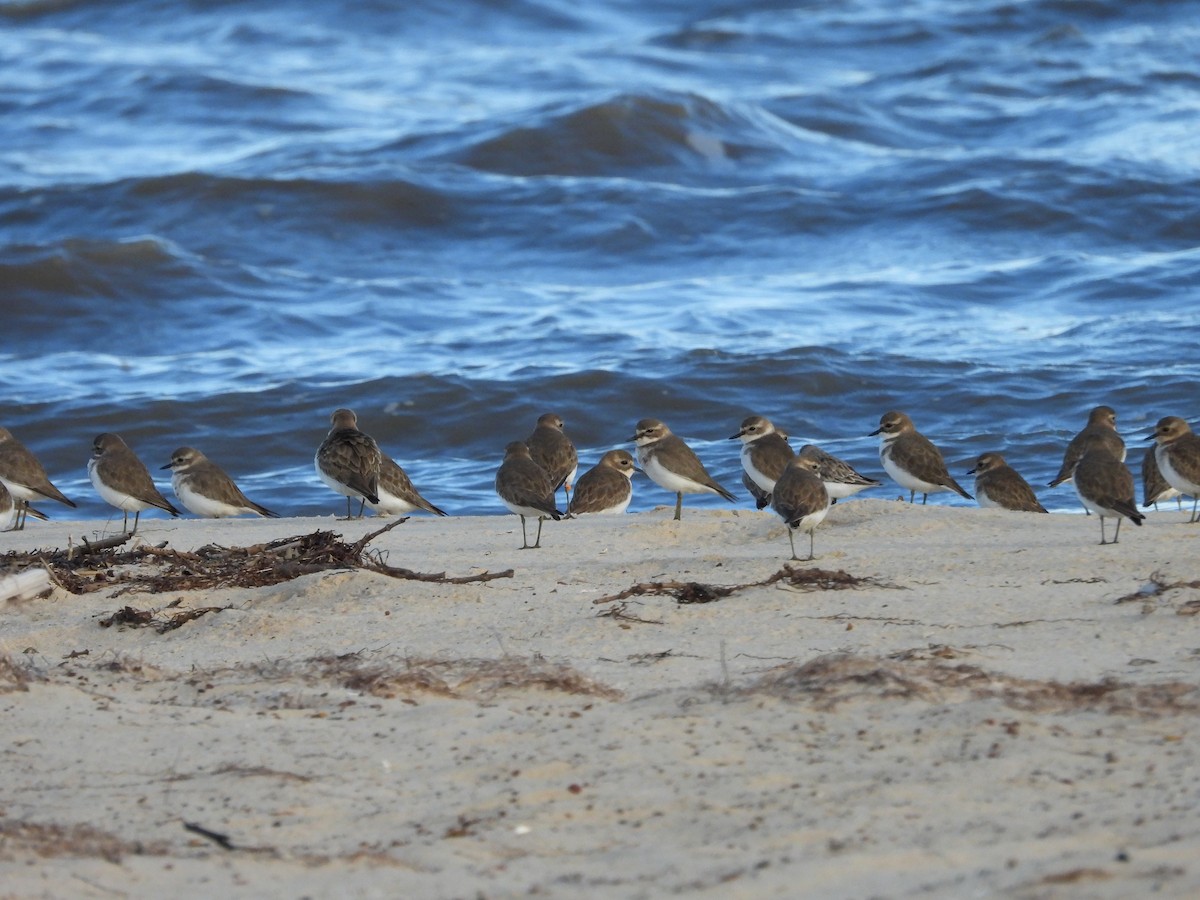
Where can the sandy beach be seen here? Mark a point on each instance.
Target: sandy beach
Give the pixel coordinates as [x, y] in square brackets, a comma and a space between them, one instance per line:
[981, 703]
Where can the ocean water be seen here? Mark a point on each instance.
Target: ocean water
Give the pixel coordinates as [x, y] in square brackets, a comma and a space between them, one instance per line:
[220, 221]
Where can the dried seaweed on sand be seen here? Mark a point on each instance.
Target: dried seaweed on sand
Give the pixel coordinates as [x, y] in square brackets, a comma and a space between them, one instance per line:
[791, 577]
[161, 569]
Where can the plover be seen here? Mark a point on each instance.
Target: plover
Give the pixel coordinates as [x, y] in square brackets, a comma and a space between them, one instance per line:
[800, 497]
[606, 487]
[1105, 486]
[1178, 454]
[1099, 433]
[841, 479]
[205, 490]
[912, 460]
[997, 484]
[551, 449]
[1154, 486]
[524, 487]
[23, 475]
[123, 481]
[348, 461]
[671, 464]
[397, 494]
[765, 453]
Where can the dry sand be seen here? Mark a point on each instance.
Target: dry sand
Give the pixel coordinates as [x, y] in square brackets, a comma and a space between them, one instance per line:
[1002, 708]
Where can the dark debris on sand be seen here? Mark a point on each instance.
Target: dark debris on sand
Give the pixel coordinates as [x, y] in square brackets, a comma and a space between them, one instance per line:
[789, 576]
[161, 569]
[829, 681]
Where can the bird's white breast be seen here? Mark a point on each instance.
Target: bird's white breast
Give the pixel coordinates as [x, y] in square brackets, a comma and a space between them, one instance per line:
[756, 474]
[1171, 474]
[665, 478]
[19, 491]
[201, 505]
[119, 499]
[902, 476]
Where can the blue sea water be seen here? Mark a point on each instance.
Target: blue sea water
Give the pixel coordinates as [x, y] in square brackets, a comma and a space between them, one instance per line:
[220, 221]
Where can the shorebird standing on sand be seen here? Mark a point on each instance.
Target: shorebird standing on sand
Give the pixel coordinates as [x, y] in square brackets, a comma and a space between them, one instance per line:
[672, 465]
[551, 449]
[524, 487]
[997, 484]
[397, 494]
[23, 475]
[206, 490]
[348, 461]
[1105, 486]
[122, 480]
[607, 487]
[912, 459]
[1100, 433]
[800, 497]
[1177, 452]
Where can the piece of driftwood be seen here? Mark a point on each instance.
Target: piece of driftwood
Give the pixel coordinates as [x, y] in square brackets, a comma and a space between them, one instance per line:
[107, 543]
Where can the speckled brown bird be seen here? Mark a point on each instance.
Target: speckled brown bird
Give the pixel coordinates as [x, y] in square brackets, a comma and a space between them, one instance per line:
[397, 494]
[607, 487]
[1100, 433]
[122, 480]
[912, 460]
[1177, 451]
[524, 487]
[1105, 486]
[26, 480]
[800, 498]
[348, 461]
[551, 449]
[671, 464]
[997, 484]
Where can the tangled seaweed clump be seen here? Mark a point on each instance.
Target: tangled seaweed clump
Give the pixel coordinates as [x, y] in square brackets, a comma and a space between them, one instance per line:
[788, 577]
[161, 569]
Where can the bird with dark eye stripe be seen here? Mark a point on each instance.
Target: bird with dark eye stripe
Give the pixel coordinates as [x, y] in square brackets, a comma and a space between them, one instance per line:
[997, 484]
[912, 460]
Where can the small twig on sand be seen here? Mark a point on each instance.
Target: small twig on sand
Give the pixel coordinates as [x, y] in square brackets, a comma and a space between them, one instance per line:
[221, 840]
[361, 544]
[618, 611]
[104, 543]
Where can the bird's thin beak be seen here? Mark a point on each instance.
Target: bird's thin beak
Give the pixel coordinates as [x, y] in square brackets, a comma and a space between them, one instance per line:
[876, 431]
